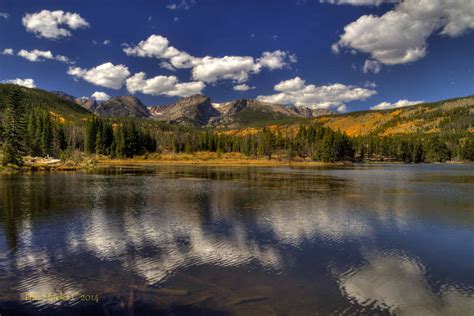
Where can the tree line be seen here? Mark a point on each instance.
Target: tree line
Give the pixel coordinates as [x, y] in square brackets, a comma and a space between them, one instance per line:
[38, 131]
[415, 148]
[313, 141]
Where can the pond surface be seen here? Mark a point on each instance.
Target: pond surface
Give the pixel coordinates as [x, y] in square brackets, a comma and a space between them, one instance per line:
[363, 239]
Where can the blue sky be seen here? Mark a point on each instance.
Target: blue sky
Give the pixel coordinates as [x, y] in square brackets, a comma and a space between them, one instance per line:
[307, 53]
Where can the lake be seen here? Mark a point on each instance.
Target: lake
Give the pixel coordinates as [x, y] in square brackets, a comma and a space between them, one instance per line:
[183, 240]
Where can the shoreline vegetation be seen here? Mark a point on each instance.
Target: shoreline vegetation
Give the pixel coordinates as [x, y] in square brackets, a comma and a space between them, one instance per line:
[198, 158]
[87, 162]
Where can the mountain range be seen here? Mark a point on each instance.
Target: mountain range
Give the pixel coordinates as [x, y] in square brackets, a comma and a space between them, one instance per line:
[448, 117]
[198, 110]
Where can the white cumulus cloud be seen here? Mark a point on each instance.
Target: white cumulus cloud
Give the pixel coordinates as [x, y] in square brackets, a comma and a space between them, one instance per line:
[63, 59]
[186, 89]
[157, 46]
[290, 85]
[372, 66]
[52, 24]
[41, 55]
[209, 69]
[243, 87]
[276, 60]
[100, 96]
[398, 104]
[36, 55]
[296, 92]
[8, 51]
[29, 83]
[400, 35]
[236, 68]
[163, 85]
[167, 65]
[106, 75]
[4, 15]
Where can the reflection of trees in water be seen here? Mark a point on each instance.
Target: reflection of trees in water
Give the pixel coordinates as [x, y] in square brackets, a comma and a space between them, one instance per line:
[33, 197]
[22, 198]
[9, 213]
[290, 181]
[397, 194]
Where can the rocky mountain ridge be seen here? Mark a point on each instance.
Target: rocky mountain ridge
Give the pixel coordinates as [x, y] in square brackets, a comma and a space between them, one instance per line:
[87, 103]
[128, 106]
[197, 110]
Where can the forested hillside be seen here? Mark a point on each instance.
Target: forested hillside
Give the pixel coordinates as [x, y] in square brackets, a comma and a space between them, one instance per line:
[437, 131]
[46, 101]
[455, 116]
[39, 123]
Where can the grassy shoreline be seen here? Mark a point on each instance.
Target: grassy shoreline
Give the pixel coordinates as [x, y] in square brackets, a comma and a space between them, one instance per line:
[198, 159]
[194, 159]
[206, 159]
[250, 162]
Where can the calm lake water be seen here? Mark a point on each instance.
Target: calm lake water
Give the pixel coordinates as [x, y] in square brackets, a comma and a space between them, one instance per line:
[365, 239]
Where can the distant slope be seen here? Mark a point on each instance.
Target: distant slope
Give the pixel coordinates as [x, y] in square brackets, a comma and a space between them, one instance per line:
[87, 103]
[309, 112]
[248, 112]
[125, 106]
[446, 117]
[64, 96]
[197, 110]
[49, 101]
[194, 110]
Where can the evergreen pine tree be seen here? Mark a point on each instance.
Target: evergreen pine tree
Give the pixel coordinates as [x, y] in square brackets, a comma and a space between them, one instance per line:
[119, 143]
[326, 150]
[90, 134]
[14, 129]
[46, 136]
[99, 140]
[58, 140]
[437, 151]
[467, 152]
[417, 155]
[31, 130]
